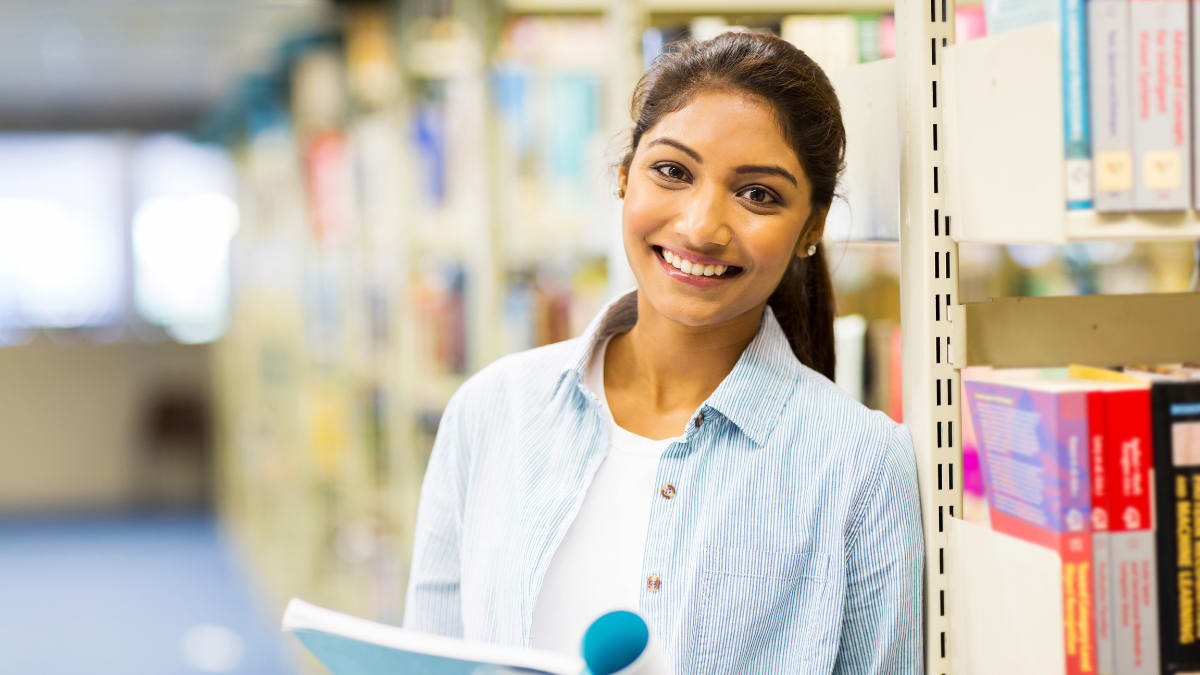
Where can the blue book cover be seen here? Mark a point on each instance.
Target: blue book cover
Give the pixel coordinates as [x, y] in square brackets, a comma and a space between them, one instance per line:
[1076, 125]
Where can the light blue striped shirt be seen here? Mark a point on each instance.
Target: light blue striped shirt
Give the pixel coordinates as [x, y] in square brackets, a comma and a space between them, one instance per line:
[792, 543]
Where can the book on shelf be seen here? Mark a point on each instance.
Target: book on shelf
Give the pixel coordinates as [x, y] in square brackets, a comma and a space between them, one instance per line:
[1109, 60]
[616, 643]
[1168, 422]
[1175, 406]
[1114, 455]
[970, 23]
[884, 364]
[868, 36]
[1077, 145]
[1120, 445]
[849, 336]
[1162, 119]
[439, 298]
[1007, 15]
[887, 36]
[1194, 63]
[1032, 438]
[974, 494]
[830, 40]
[973, 486]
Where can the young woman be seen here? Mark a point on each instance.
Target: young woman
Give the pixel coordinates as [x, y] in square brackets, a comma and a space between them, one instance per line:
[688, 456]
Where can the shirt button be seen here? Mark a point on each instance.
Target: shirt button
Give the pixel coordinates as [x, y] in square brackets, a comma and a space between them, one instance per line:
[667, 491]
[654, 583]
[699, 419]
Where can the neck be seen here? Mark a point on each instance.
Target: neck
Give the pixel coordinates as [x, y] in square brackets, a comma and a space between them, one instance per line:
[671, 366]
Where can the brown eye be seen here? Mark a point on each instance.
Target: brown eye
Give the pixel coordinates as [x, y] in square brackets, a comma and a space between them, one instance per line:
[759, 195]
[672, 171]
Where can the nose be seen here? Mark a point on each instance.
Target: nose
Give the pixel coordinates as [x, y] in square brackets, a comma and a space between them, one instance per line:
[705, 221]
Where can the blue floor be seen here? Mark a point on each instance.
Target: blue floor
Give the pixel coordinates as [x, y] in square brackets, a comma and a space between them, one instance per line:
[128, 595]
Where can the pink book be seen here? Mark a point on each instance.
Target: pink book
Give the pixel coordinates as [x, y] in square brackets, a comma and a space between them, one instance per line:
[887, 36]
[1032, 437]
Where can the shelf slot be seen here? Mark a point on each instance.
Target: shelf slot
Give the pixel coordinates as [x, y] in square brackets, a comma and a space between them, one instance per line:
[1099, 330]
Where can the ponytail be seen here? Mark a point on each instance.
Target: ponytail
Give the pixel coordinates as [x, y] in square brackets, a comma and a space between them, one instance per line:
[804, 306]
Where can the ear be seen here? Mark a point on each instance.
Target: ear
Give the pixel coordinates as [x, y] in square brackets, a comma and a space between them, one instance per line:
[814, 229]
[622, 180]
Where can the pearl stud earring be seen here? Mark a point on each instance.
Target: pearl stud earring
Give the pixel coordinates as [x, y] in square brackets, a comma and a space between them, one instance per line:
[812, 249]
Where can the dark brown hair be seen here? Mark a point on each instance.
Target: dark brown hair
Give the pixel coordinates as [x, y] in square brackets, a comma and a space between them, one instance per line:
[772, 70]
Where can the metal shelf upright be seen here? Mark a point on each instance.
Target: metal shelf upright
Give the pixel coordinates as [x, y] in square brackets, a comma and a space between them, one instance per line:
[928, 288]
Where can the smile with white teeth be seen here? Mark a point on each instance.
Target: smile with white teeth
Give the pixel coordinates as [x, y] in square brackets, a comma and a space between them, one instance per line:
[696, 269]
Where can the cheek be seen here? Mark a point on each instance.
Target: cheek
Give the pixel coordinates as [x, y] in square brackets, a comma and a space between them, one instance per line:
[772, 249]
[645, 210]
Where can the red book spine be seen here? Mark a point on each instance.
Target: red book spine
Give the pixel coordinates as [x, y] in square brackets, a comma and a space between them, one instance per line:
[1130, 452]
[1079, 638]
[1096, 454]
[1129, 456]
[1101, 557]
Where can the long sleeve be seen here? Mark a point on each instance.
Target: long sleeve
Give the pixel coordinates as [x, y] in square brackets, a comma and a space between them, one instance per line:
[881, 631]
[432, 601]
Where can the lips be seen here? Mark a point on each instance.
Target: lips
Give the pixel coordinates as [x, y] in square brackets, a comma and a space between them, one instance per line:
[699, 273]
[697, 265]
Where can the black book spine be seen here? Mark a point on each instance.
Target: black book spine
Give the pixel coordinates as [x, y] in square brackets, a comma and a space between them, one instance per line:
[1176, 420]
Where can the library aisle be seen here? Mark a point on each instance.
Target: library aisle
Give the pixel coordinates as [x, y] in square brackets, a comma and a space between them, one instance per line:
[111, 594]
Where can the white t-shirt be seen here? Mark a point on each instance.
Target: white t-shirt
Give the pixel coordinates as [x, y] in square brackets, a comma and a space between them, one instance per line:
[598, 566]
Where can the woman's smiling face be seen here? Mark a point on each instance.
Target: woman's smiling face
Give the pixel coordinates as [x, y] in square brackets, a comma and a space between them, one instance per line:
[715, 184]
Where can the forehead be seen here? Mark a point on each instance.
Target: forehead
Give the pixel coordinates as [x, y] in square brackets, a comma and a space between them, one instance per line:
[728, 128]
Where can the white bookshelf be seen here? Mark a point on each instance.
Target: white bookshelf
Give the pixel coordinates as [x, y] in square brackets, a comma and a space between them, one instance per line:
[981, 161]
[1003, 136]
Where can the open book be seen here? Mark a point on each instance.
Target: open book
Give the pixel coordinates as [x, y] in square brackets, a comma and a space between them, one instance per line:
[616, 643]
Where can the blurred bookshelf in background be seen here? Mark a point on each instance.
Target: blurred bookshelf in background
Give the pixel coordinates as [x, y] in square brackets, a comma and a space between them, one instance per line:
[424, 190]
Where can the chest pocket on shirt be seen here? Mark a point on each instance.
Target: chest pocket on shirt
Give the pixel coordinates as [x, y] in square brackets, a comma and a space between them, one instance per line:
[759, 602]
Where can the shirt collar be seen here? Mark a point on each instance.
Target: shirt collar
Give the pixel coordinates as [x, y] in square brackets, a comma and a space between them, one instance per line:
[753, 394]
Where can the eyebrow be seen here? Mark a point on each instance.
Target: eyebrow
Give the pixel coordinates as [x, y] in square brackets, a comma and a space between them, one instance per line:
[676, 144]
[743, 169]
[772, 170]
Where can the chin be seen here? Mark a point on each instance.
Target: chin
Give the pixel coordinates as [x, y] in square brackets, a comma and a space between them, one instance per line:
[688, 310]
